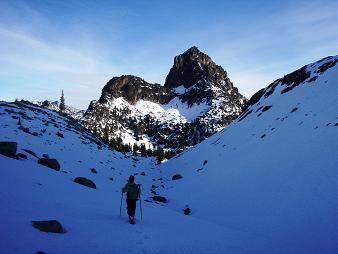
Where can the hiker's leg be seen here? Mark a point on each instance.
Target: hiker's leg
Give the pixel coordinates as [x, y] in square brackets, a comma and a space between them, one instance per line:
[133, 207]
[129, 207]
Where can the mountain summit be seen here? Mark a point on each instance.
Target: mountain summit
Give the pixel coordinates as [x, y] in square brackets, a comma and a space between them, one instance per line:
[193, 66]
[197, 100]
[200, 78]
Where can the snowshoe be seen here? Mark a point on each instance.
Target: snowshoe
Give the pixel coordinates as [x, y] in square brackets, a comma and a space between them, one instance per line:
[131, 220]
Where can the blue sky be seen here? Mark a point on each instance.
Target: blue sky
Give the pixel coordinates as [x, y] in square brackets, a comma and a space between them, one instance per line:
[78, 46]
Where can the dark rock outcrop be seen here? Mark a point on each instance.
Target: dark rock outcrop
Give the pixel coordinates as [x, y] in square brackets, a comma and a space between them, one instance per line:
[8, 149]
[133, 89]
[254, 99]
[295, 79]
[85, 182]
[50, 163]
[192, 66]
[51, 226]
[201, 76]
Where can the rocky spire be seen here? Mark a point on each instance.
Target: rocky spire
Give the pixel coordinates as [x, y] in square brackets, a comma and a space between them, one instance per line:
[193, 66]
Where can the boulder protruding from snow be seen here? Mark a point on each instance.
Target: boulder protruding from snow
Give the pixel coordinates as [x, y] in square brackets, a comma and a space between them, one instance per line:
[22, 156]
[59, 134]
[86, 182]
[52, 226]
[8, 149]
[50, 163]
[31, 153]
[187, 211]
[159, 199]
[176, 177]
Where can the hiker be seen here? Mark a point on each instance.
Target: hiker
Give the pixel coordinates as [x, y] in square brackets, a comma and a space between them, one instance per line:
[132, 190]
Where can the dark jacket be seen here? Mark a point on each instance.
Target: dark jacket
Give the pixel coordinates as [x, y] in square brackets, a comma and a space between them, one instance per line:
[132, 190]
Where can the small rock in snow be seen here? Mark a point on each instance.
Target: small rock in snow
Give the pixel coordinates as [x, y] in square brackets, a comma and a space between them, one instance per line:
[52, 226]
[176, 177]
[85, 182]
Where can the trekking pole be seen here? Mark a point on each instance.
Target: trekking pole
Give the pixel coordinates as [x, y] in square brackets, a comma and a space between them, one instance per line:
[139, 187]
[121, 203]
[141, 207]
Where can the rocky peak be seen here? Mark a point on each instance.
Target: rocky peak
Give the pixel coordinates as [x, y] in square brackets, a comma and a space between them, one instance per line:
[193, 66]
[133, 89]
[196, 101]
[202, 79]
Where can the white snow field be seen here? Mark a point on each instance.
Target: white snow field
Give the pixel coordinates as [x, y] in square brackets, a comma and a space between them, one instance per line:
[273, 174]
[268, 183]
[30, 191]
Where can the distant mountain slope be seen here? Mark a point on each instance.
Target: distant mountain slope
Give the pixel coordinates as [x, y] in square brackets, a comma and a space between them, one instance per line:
[272, 172]
[197, 100]
[54, 105]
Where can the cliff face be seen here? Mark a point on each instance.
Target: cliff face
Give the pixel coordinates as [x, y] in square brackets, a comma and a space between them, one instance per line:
[134, 89]
[202, 79]
[193, 66]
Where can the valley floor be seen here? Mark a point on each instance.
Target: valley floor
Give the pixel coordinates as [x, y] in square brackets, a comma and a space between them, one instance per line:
[91, 219]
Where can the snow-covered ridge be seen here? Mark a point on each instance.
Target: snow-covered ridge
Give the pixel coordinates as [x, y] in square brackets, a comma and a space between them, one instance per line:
[303, 76]
[273, 171]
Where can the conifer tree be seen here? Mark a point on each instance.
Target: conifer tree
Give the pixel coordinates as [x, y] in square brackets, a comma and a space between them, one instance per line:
[62, 106]
[135, 149]
[143, 150]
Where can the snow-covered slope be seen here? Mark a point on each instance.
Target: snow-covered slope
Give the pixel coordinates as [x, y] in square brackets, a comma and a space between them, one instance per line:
[265, 184]
[273, 172]
[30, 191]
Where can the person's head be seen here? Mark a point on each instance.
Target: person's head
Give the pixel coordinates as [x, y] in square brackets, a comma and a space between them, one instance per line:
[131, 179]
